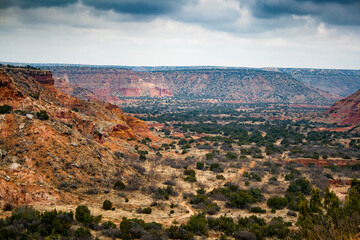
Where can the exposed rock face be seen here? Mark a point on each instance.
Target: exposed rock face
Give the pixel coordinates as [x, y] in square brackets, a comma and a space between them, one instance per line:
[110, 83]
[73, 150]
[244, 85]
[43, 77]
[74, 90]
[335, 81]
[346, 111]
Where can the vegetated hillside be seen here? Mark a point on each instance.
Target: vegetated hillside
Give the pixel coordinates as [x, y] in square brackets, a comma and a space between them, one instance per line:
[346, 111]
[51, 142]
[339, 82]
[243, 85]
[246, 85]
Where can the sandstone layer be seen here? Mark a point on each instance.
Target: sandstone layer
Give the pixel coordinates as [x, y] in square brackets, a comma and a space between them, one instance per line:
[243, 85]
[346, 111]
[75, 150]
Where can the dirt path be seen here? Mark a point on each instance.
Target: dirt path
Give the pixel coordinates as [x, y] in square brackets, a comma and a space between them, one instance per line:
[191, 212]
[188, 206]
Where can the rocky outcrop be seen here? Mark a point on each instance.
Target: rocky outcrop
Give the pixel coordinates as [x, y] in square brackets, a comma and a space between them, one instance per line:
[244, 85]
[71, 152]
[111, 83]
[41, 76]
[74, 90]
[335, 81]
[346, 111]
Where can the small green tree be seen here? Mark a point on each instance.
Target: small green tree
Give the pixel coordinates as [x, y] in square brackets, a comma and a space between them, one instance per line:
[42, 115]
[119, 185]
[277, 202]
[5, 109]
[107, 205]
[82, 214]
[200, 165]
[83, 233]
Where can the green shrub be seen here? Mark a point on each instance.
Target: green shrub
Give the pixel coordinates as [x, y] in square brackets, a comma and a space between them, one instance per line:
[83, 233]
[199, 198]
[277, 202]
[189, 172]
[220, 177]
[197, 225]
[257, 210]
[244, 222]
[223, 224]
[240, 199]
[119, 185]
[190, 175]
[215, 167]
[190, 179]
[230, 156]
[200, 165]
[175, 232]
[277, 228]
[146, 210]
[273, 179]
[107, 205]
[82, 214]
[5, 109]
[300, 185]
[42, 115]
[142, 157]
[209, 156]
[8, 207]
[27, 223]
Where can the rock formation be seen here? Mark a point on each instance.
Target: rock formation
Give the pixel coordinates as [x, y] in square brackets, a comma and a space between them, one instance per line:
[346, 111]
[52, 144]
[243, 85]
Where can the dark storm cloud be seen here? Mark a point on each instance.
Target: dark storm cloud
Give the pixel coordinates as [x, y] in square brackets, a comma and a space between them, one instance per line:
[270, 13]
[146, 7]
[35, 3]
[336, 12]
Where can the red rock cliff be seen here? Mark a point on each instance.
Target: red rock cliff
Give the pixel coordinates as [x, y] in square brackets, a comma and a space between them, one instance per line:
[346, 111]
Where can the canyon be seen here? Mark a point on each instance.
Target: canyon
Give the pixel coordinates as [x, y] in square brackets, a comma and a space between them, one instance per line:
[242, 85]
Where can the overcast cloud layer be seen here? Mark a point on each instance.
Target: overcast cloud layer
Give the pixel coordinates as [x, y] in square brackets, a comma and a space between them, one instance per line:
[247, 33]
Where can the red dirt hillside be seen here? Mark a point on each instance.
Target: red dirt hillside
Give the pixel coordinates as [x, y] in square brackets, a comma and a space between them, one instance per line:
[72, 151]
[346, 111]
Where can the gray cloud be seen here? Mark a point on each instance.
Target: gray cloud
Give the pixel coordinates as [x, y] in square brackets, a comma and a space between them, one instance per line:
[35, 3]
[336, 12]
[146, 7]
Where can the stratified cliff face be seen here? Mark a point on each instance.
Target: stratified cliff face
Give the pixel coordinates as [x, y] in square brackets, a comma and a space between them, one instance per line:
[346, 111]
[63, 85]
[73, 150]
[335, 81]
[244, 85]
[110, 83]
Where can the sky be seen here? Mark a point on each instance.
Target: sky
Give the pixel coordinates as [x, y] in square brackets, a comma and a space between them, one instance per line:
[237, 33]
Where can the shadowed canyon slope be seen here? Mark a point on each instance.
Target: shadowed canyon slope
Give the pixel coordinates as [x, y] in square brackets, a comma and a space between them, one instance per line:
[242, 85]
[50, 141]
[335, 81]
